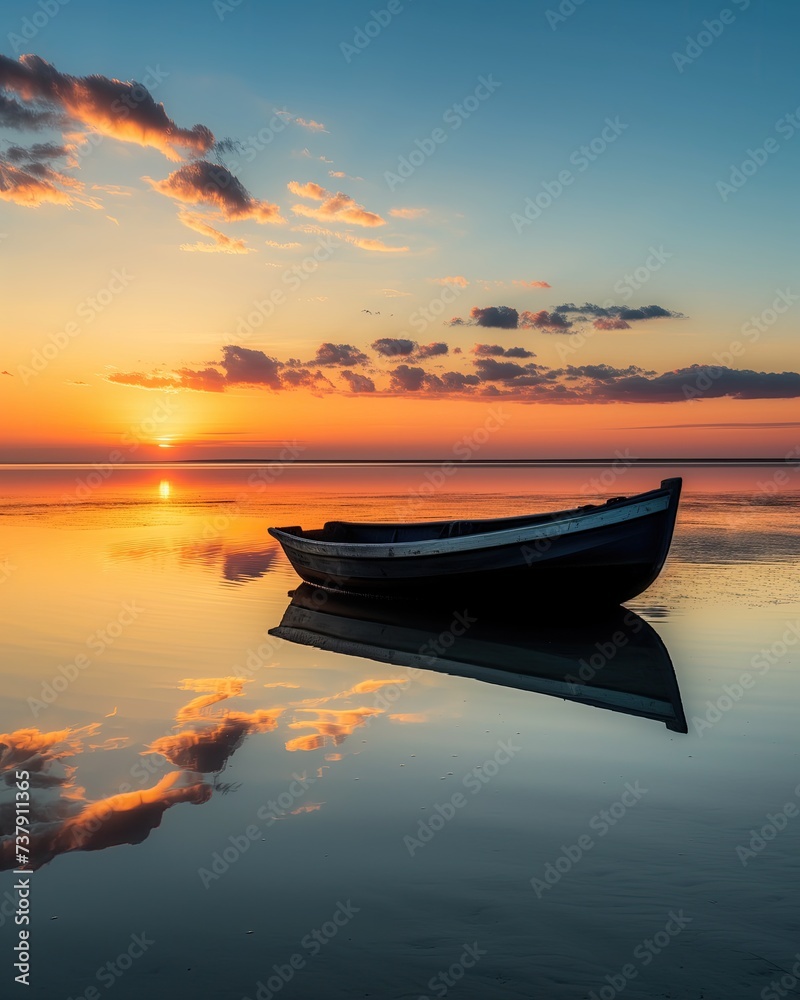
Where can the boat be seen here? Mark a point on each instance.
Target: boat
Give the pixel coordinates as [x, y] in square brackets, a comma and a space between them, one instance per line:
[615, 661]
[594, 554]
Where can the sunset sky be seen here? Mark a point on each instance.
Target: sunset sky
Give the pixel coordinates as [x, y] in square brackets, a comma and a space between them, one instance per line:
[376, 230]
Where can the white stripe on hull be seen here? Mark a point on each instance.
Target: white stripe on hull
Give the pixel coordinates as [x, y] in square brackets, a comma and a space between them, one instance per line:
[302, 547]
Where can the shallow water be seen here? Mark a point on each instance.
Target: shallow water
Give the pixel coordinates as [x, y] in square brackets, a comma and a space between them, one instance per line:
[263, 812]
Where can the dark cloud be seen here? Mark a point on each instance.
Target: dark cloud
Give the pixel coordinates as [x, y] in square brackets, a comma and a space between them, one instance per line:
[304, 378]
[496, 351]
[455, 381]
[490, 370]
[621, 312]
[544, 320]
[600, 373]
[499, 317]
[697, 382]
[358, 383]
[203, 182]
[19, 116]
[610, 323]
[246, 366]
[431, 350]
[339, 354]
[37, 152]
[391, 347]
[407, 379]
[122, 110]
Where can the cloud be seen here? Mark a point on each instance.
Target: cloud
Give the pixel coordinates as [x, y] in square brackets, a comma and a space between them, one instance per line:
[490, 370]
[365, 244]
[358, 383]
[243, 365]
[533, 284]
[377, 246]
[282, 246]
[647, 312]
[392, 293]
[221, 243]
[408, 213]
[310, 190]
[431, 350]
[407, 379]
[211, 184]
[334, 207]
[495, 350]
[622, 312]
[458, 280]
[697, 381]
[341, 175]
[310, 124]
[497, 372]
[240, 366]
[339, 354]
[121, 110]
[543, 320]
[610, 323]
[392, 347]
[458, 381]
[206, 380]
[38, 152]
[18, 116]
[38, 184]
[501, 317]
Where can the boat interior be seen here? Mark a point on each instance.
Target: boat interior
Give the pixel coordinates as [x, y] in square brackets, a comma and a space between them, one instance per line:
[387, 533]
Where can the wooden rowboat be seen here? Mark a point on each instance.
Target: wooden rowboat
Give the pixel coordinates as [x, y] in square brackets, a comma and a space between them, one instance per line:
[616, 661]
[596, 554]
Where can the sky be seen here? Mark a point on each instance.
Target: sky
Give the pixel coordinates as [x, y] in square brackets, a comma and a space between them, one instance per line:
[502, 230]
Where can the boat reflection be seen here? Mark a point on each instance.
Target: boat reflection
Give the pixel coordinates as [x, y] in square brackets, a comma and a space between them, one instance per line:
[618, 661]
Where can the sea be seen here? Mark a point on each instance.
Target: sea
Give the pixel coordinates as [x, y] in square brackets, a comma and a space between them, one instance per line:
[193, 806]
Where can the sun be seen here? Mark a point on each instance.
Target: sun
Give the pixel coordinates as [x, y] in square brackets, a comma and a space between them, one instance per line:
[164, 442]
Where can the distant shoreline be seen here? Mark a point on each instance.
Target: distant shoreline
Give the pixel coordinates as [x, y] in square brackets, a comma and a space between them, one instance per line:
[366, 462]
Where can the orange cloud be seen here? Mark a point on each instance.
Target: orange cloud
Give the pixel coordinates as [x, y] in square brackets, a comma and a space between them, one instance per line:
[377, 246]
[35, 183]
[115, 108]
[408, 213]
[458, 280]
[532, 284]
[221, 242]
[310, 124]
[334, 207]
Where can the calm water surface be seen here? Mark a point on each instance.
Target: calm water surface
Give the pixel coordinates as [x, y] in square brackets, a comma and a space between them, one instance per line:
[222, 813]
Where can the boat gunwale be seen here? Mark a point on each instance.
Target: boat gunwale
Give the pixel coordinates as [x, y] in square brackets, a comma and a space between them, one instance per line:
[575, 522]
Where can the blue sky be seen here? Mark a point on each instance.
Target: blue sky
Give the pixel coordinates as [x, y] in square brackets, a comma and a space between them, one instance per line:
[693, 89]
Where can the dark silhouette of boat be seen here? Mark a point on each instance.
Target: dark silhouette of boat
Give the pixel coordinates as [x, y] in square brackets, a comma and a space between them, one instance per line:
[595, 554]
[615, 661]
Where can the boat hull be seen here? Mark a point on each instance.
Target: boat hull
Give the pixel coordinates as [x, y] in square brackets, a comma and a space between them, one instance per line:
[607, 557]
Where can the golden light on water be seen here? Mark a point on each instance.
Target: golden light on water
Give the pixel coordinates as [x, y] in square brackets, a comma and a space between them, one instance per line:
[164, 489]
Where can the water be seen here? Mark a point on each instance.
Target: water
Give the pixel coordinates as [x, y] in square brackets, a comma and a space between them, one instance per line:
[215, 808]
